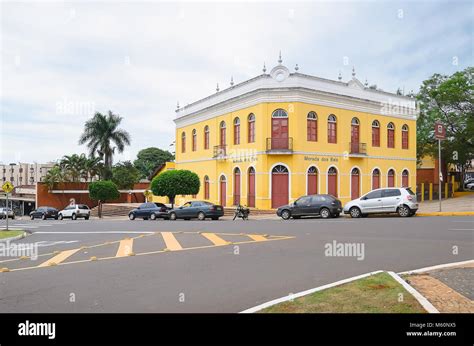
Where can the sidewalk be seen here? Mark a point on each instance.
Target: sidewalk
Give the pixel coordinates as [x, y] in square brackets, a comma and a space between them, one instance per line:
[463, 205]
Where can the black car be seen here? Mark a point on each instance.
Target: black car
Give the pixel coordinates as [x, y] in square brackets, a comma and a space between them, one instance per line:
[44, 213]
[197, 209]
[149, 210]
[325, 206]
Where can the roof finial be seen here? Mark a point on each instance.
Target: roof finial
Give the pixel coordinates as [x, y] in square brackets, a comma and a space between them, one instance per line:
[177, 105]
[353, 72]
[231, 80]
[217, 88]
[366, 83]
[296, 68]
[279, 58]
[340, 76]
[264, 67]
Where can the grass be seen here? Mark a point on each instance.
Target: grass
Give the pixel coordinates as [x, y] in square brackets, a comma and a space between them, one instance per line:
[10, 233]
[378, 293]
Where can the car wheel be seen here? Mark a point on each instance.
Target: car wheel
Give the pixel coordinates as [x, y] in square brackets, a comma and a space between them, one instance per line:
[201, 216]
[32, 217]
[355, 212]
[153, 216]
[325, 213]
[131, 216]
[285, 214]
[74, 217]
[61, 216]
[403, 211]
[43, 217]
[173, 216]
[86, 218]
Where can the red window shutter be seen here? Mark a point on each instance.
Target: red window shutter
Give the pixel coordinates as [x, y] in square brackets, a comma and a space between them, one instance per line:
[405, 139]
[236, 134]
[391, 139]
[375, 137]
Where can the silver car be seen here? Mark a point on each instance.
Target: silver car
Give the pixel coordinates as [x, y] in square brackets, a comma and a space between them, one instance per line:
[75, 211]
[382, 201]
[6, 211]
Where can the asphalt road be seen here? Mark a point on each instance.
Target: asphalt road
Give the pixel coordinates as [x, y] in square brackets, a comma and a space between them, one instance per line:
[203, 277]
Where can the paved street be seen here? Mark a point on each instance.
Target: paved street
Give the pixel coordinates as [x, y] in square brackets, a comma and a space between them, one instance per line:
[211, 266]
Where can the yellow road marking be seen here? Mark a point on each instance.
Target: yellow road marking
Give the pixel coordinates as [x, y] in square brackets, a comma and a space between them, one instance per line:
[257, 237]
[125, 248]
[215, 239]
[59, 257]
[171, 242]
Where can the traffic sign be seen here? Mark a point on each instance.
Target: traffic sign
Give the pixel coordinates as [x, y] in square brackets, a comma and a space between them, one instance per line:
[8, 187]
[440, 131]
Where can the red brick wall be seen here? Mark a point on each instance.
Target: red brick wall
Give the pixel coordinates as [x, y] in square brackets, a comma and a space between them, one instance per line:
[61, 200]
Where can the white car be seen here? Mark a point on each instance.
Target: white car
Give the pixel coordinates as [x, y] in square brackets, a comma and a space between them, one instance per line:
[382, 201]
[6, 211]
[74, 211]
[470, 186]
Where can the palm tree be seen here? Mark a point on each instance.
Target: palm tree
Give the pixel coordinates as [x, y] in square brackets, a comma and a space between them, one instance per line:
[73, 166]
[92, 166]
[53, 176]
[100, 131]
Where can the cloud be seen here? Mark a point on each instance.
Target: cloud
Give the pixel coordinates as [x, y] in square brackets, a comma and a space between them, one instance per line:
[62, 61]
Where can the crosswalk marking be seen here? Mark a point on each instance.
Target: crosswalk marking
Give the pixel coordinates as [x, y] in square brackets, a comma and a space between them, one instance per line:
[125, 248]
[257, 237]
[215, 239]
[59, 257]
[171, 242]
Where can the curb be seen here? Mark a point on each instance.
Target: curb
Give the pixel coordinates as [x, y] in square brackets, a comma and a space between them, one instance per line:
[422, 300]
[21, 236]
[447, 213]
[292, 296]
[440, 266]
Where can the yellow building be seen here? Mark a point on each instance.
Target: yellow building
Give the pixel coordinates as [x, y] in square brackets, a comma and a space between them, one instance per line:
[278, 136]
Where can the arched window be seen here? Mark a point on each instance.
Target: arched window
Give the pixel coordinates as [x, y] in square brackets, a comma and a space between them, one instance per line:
[206, 187]
[312, 127]
[222, 134]
[194, 140]
[355, 183]
[375, 179]
[375, 133]
[355, 122]
[251, 187]
[183, 142]
[251, 128]
[279, 113]
[223, 190]
[405, 178]
[391, 135]
[236, 131]
[280, 169]
[206, 137]
[332, 129]
[391, 178]
[405, 136]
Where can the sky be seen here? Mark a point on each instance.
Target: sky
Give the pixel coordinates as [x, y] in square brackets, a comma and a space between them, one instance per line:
[62, 61]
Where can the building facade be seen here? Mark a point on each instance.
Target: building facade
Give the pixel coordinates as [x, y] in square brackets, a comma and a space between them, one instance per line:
[269, 140]
[20, 174]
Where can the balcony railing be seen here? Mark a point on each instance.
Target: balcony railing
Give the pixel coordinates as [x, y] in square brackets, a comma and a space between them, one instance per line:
[280, 144]
[220, 151]
[358, 148]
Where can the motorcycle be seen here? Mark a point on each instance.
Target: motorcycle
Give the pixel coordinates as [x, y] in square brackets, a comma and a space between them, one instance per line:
[241, 212]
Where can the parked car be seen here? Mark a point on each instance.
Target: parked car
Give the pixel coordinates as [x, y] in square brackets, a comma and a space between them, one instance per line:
[381, 201]
[4, 212]
[44, 213]
[197, 209]
[325, 206]
[468, 183]
[74, 211]
[150, 211]
[470, 186]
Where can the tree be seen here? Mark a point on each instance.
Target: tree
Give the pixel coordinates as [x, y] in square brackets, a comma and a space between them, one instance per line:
[91, 169]
[449, 99]
[175, 182]
[100, 132]
[73, 166]
[125, 175]
[53, 176]
[150, 158]
[102, 191]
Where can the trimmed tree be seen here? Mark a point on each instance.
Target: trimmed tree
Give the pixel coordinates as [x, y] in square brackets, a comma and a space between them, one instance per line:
[102, 191]
[175, 182]
[125, 175]
[150, 158]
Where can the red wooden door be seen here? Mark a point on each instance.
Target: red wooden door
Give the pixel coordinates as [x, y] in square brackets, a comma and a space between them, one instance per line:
[280, 187]
[332, 182]
[237, 187]
[251, 188]
[223, 139]
[206, 189]
[354, 138]
[355, 181]
[223, 196]
[312, 181]
[391, 179]
[375, 180]
[405, 179]
[279, 133]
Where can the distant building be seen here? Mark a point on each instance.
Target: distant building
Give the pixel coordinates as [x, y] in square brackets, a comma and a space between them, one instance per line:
[21, 174]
